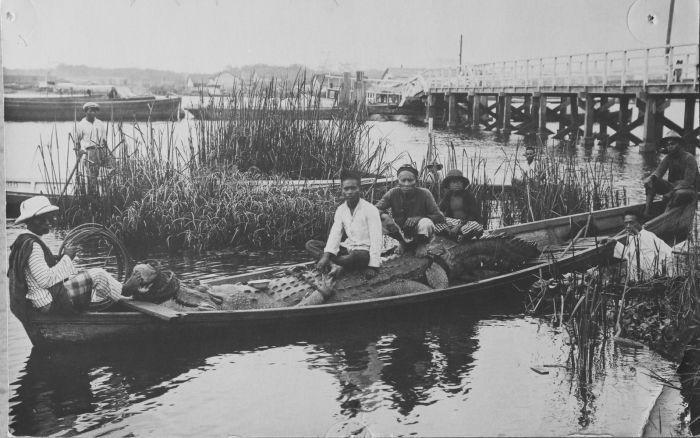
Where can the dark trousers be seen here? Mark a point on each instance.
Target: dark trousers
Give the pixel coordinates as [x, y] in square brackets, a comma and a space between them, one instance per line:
[673, 197]
[356, 259]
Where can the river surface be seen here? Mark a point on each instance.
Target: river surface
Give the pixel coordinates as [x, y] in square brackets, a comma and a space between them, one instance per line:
[458, 369]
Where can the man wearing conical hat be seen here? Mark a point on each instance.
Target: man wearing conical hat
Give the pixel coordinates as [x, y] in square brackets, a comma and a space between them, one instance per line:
[91, 140]
[41, 282]
[683, 177]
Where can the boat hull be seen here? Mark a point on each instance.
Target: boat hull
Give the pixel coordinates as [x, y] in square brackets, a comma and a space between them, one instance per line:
[100, 327]
[65, 109]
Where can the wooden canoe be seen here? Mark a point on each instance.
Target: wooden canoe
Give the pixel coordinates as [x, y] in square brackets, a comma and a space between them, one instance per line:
[555, 237]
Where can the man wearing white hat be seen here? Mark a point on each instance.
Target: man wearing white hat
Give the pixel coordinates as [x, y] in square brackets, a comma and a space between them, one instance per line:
[42, 282]
[91, 139]
[683, 176]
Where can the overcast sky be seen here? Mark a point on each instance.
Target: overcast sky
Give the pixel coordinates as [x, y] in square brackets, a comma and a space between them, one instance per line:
[206, 35]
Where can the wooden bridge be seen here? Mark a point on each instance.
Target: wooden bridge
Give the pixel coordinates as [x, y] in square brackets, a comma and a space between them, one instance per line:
[588, 95]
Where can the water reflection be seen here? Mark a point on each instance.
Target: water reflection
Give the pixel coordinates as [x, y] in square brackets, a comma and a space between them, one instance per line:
[378, 364]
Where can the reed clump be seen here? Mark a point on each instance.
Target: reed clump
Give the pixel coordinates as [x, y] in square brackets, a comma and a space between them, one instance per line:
[557, 183]
[283, 128]
[199, 195]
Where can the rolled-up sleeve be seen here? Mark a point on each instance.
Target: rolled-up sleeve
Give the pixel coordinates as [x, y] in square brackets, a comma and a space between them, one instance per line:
[336, 233]
[384, 203]
[45, 276]
[374, 223]
[663, 167]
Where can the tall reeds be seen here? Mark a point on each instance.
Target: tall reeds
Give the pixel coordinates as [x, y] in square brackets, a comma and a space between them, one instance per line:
[230, 183]
[284, 128]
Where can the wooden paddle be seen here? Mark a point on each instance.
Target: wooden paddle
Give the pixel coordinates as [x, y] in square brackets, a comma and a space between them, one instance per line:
[154, 310]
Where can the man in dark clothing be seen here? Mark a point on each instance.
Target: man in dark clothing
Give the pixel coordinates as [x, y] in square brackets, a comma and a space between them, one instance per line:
[413, 209]
[683, 179]
[461, 209]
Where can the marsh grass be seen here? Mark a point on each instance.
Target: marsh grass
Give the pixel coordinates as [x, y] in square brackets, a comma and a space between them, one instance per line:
[557, 184]
[281, 127]
[194, 194]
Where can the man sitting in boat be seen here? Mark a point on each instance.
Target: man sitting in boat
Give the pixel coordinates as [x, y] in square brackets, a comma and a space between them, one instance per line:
[91, 140]
[646, 255]
[461, 209]
[45, 283]
[682, 185]
[414, 212]
[359, 220]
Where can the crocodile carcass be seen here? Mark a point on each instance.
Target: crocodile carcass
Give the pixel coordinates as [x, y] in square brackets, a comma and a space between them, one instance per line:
[449, 262]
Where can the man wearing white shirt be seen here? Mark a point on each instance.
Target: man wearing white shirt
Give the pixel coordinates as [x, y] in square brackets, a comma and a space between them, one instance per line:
[645, 253]
[91, 139]
[360, 221]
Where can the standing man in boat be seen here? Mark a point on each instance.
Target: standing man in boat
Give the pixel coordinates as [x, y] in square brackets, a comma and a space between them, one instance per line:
[44, 283]
[460, 207]
[91, 140]
[683, 178]
[414, 211]
[359, 221]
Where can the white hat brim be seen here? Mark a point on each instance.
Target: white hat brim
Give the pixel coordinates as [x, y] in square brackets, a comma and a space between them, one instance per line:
[43, 210]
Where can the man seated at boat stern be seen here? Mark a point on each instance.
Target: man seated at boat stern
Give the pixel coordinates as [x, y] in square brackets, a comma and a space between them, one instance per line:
[359, 221]
[91, 140]
[414, 212]
[646, 255]
[42, 282]
[683, 179]
[461, 209]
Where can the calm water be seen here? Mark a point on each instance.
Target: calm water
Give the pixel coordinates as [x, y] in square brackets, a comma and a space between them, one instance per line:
[457, 369]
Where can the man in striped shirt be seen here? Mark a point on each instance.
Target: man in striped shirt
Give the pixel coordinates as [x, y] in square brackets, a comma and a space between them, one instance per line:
[47, 283]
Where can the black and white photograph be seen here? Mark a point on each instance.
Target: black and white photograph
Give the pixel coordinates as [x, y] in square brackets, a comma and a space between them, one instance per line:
[350, 218]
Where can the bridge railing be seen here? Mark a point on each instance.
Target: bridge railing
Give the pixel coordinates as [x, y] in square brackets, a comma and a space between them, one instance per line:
[642, 67]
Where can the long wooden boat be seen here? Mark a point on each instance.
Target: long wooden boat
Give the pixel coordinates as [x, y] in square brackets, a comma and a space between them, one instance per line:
[567, 243]
[70, 108]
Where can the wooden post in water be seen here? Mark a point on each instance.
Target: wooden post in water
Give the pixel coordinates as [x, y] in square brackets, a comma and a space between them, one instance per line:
[451, 110]
[603, 114]
[542, 116]
[429, 100]
[688, 125]
[573, 100]
[345, 90]
[360, 89]
[499, 112]
[476, 111]
[649, 133]
[505, 122]
[589, 119]
[623, 139]
[563, 104]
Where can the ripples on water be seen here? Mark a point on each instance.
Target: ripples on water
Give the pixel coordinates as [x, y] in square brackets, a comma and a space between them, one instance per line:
[461, 368]
[453, 371]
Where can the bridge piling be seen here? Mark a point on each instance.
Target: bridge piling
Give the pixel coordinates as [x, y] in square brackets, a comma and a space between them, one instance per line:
[589, 119]
[476, 111]
[451, 110]
[505, 122]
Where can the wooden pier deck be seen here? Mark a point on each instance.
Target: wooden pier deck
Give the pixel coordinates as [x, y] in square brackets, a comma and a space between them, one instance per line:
[589, 95]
